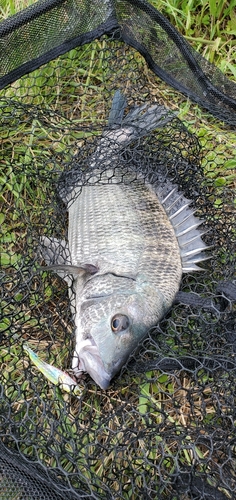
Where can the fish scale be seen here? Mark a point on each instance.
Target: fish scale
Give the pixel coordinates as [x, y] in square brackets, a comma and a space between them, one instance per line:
[108, 232]
[118, 235]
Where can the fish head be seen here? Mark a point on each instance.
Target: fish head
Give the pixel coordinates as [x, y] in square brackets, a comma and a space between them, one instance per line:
[110, 328]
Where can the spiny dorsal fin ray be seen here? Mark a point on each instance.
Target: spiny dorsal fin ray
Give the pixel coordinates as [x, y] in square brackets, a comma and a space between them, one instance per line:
[185, 224]
[179, 212]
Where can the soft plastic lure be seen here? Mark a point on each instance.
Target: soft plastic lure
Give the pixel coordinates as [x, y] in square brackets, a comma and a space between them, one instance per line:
[53, 374]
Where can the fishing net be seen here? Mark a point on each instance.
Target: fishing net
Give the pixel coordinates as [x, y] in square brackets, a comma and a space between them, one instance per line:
[165, 428]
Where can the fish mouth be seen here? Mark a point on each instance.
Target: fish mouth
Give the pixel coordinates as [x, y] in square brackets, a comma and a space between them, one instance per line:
[88, 360]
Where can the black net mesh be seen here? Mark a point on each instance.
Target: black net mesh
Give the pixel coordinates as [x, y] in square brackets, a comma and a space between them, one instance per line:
[165, 428]
[52, 27]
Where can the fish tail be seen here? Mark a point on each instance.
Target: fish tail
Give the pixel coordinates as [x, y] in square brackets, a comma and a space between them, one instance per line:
[121, 131]
[117, 109]
[143, 118]
[146, 118]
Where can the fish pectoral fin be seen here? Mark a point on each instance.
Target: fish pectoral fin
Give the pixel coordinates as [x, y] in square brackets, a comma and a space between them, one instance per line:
[54, 251]
[71, 269]
[56, 255]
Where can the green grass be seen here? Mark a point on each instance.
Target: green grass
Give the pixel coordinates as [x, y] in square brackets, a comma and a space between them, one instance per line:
[210, 26]
[79, 82]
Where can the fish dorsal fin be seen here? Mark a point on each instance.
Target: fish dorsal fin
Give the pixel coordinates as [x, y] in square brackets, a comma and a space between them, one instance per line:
[185, 224]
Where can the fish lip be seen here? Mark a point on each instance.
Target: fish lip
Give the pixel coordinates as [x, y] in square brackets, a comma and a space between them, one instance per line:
[89, 361]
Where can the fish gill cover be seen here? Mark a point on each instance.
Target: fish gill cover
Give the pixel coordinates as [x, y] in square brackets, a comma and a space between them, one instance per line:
[165, 427]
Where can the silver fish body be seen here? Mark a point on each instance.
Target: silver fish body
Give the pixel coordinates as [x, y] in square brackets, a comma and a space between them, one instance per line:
[127, 248]
[124, 231]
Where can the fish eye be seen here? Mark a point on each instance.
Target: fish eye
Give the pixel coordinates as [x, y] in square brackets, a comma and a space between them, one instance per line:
[119, 323]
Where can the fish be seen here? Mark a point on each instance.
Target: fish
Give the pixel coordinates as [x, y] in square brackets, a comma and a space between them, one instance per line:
[129, 241]
[53, 374]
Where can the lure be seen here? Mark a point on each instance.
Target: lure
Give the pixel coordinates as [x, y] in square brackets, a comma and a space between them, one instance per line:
[53, 374]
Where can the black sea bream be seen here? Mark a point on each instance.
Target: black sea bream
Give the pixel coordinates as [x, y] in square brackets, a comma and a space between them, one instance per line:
[128, 244]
